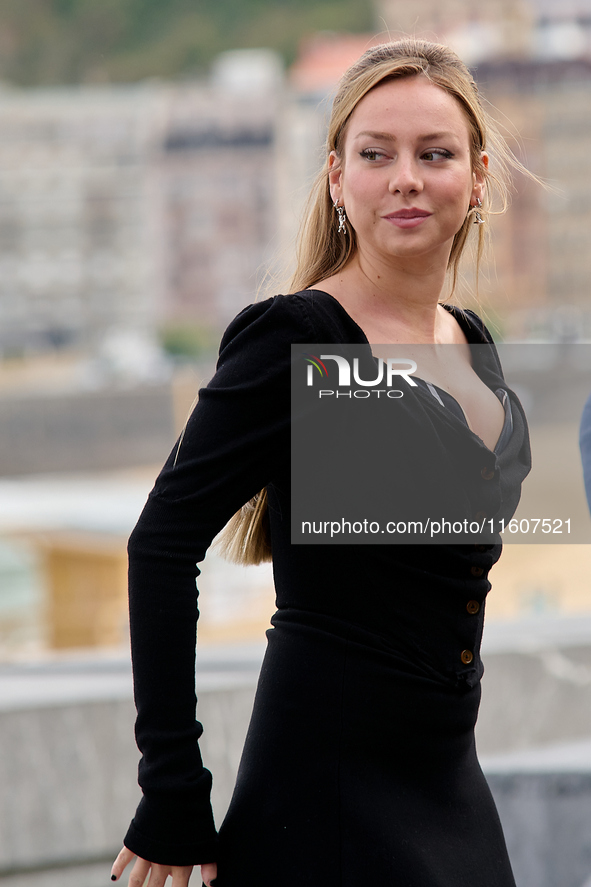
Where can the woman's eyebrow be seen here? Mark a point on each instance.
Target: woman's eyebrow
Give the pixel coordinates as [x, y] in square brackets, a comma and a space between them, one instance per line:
[389, 137]
[433, 136]
[383, 136]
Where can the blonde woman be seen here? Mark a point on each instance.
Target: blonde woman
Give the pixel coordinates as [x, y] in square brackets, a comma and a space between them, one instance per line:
[359, 765]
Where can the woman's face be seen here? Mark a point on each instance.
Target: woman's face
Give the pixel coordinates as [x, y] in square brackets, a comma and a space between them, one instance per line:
[405, 176]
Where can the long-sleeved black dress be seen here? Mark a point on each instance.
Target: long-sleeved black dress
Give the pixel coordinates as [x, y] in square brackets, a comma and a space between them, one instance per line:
[360, 764]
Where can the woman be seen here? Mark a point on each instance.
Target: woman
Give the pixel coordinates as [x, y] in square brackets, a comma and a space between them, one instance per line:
[360, 763]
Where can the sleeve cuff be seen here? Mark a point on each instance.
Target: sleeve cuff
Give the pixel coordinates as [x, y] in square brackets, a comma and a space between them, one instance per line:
[164, 833]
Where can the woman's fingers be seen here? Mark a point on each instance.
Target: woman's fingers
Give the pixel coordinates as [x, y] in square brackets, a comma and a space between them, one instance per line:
[209, 871]
[139, 872]
[122, 861]
[158, 873]
[181, 875]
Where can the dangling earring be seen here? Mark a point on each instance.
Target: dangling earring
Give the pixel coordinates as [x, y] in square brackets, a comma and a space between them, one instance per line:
[478, 220]
[342, 217]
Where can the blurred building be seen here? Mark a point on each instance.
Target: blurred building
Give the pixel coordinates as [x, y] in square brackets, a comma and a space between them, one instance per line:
[542, 269]
[216, 177]
[77, 235]
[122, 207]
[515, 29]
[475, 29]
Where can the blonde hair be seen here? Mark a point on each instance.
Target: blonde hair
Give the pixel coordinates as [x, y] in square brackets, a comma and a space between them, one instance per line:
[323, 251]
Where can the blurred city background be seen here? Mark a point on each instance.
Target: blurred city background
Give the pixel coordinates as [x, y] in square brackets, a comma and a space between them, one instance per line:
[154, 161]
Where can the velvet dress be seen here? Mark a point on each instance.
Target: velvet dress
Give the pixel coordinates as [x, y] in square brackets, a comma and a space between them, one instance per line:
[360, 763]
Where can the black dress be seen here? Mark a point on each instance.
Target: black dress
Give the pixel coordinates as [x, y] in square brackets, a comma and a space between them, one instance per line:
[360, 764]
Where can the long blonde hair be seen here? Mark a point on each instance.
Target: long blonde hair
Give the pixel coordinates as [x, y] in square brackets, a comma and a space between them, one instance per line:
[322, 251]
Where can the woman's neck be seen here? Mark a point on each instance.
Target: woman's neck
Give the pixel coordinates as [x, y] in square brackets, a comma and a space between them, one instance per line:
[395, 303]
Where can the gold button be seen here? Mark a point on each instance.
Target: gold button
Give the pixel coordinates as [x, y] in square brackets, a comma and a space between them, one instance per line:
[487, 473]
[473, 607]
[476, 571]
[467, 657]
[480, 515]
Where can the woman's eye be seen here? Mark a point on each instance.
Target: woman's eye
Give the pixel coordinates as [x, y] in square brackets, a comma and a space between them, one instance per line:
[437, 154]
[371, 154]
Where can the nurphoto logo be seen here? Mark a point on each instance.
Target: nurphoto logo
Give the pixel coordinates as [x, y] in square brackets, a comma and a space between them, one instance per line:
[387, 372]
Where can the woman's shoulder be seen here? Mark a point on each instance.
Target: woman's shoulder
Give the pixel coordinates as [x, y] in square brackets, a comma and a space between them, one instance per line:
[305, 316]
[472, 325]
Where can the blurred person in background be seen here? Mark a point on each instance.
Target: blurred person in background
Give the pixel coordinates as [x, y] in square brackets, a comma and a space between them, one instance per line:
[360, 762]
[585, 444]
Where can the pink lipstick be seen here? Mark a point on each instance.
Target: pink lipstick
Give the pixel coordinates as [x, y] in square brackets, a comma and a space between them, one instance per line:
[407, 218]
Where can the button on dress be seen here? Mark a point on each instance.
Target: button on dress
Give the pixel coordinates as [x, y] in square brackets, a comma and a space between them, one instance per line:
[360, 764]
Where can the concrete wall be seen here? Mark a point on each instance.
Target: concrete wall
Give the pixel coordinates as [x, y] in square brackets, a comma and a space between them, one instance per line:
[68, 764]
[546, 816]
[86, 430]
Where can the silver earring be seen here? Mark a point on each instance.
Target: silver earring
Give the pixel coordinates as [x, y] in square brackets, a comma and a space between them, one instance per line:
[478, 220]
[342, 217]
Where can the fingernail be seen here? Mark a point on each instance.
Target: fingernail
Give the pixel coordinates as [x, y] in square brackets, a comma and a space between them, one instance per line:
[113, 877]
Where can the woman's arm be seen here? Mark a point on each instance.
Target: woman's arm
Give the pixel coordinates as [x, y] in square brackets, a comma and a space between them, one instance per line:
[236, 436]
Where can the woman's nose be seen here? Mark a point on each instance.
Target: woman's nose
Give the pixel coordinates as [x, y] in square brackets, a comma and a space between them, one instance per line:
[406, 176]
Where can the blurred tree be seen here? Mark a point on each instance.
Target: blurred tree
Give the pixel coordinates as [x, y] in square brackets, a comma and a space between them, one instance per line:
[46, 42]
[190, 342]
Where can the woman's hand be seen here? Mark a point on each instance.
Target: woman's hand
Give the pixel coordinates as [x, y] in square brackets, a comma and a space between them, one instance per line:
[158, 873]
[209, 871]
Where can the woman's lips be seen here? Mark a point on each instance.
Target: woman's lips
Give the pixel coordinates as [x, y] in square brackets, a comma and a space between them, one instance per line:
[407, 218]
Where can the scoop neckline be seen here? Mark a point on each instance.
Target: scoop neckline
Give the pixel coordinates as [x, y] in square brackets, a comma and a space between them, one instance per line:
[458, 313]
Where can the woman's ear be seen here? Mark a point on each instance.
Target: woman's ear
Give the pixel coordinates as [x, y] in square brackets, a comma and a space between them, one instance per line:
[480, 179]
[335, 173]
